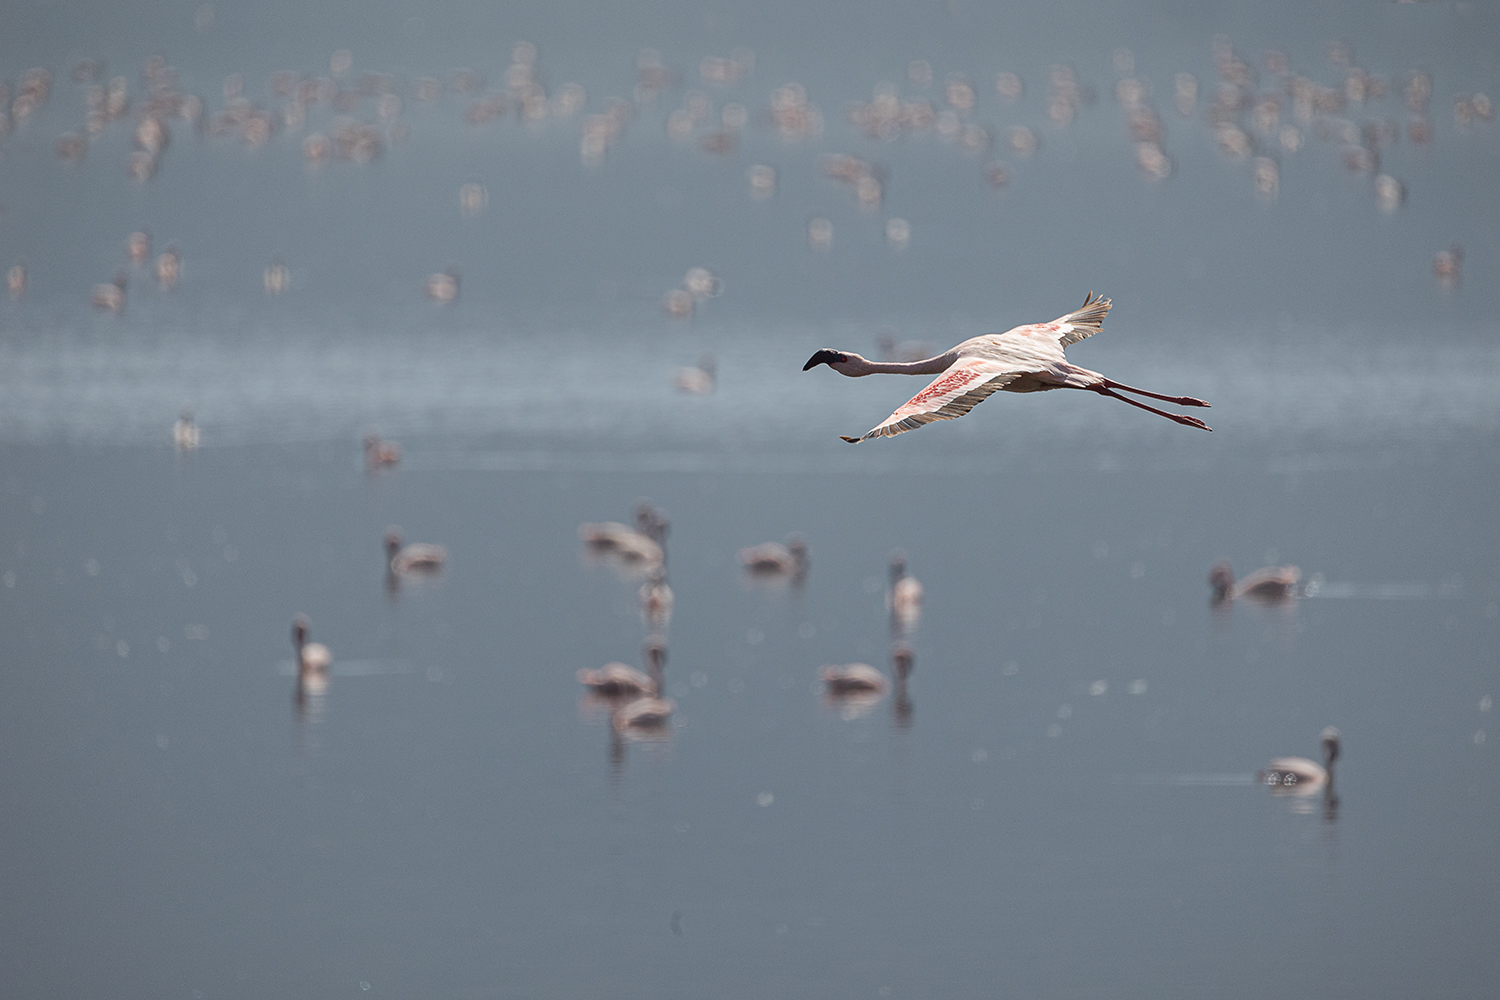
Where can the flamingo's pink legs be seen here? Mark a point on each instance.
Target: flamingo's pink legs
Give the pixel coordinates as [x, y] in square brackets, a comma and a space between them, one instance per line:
[1179, 400]
[1178, 417]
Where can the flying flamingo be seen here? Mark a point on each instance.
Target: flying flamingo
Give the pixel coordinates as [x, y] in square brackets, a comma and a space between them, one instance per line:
[1025, 359]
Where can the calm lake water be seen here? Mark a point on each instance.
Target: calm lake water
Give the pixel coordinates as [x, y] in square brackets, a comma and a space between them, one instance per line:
[1060, 802]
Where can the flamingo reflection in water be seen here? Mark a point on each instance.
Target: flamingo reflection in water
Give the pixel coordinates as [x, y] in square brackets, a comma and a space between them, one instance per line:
[902, 662]
[1024, 359]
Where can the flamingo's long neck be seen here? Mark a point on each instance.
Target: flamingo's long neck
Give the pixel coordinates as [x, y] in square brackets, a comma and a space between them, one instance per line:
[656, 662]
[858, 365]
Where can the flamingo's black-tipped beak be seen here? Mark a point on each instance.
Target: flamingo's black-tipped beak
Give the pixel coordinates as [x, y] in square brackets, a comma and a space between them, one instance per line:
[824, 357]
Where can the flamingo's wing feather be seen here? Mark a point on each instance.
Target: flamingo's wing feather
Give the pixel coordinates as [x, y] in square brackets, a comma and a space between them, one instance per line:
[1083, 322]
[952, 394]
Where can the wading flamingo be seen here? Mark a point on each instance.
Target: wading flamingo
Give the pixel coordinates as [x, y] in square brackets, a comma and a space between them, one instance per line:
[620, 680]
[185, 433]
[313, 659]
[1272, 584]
[418, 557]
[776, 559]
[380, 454]
[905, 597]
[1025, 359]
[656, 600]
[1300, 775]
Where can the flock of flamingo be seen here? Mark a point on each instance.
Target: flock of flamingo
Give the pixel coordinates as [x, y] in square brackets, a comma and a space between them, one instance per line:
[636, 700]
[1257, 115]
[1260, 114]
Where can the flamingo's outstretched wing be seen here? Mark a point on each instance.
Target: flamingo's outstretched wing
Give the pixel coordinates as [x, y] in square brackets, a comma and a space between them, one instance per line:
[952, 394]
[1083, 322]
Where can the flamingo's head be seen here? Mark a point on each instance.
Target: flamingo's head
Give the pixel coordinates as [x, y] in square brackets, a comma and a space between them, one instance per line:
[1330, 737]
[393, 540]
[1221, 579]
[825, 357]
[300, 625]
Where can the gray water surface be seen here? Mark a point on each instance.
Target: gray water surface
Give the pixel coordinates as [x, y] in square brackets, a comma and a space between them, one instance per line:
[1061, 801]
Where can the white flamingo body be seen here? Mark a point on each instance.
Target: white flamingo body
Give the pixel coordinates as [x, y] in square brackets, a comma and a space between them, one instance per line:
[110, 296]
[313, 659]
[700, 380]
[620, 680]
[312, 670]
[380, 454]
[625, 543]
[1287, 773]
[617, 680]
[1299, 775]
[168, 268]
[442, 287]
[905, 597]
[853, 678]
[1271, 585]
[185, 432]
[656, 603]
[776, 559]
[418, 557]
[649, 714]
[1024, 359]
